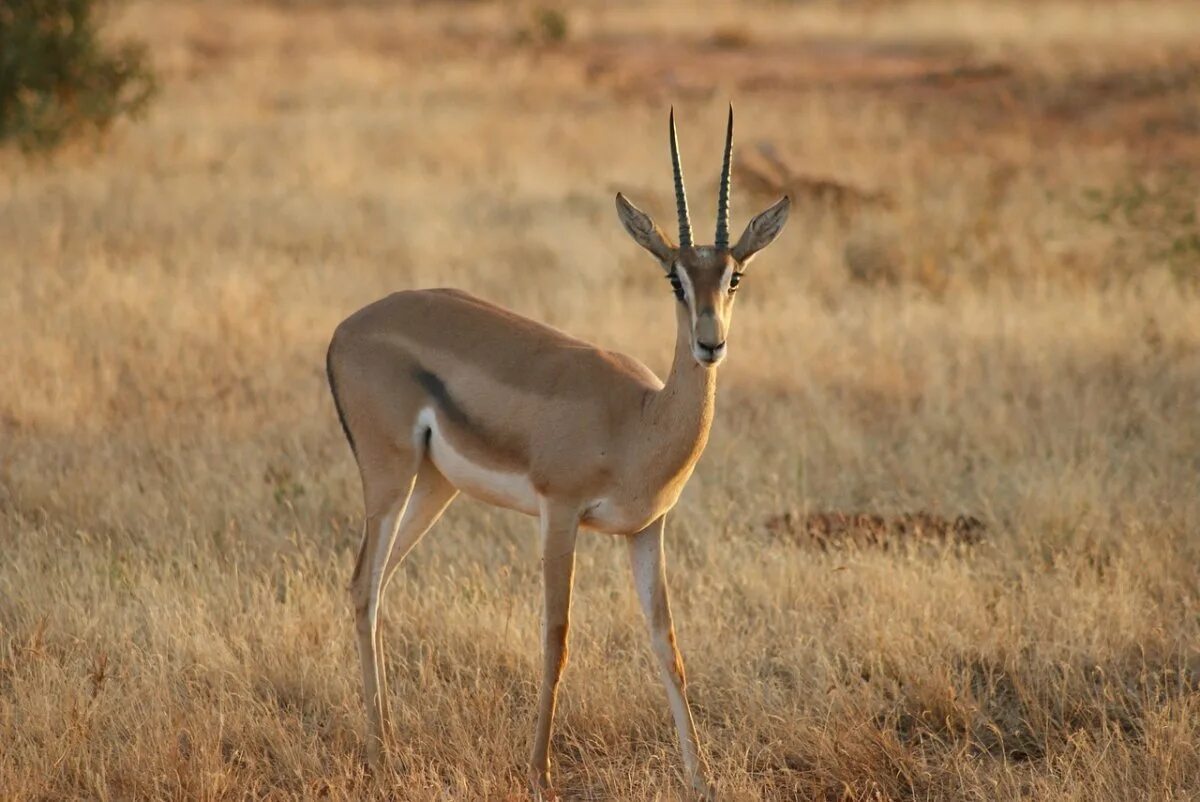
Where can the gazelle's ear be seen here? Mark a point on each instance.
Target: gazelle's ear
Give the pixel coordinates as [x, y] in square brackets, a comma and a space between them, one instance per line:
[643, 230]
[762, 230]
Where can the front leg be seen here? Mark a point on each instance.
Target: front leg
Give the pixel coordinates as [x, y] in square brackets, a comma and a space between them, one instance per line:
[560, 524]
[650, 576]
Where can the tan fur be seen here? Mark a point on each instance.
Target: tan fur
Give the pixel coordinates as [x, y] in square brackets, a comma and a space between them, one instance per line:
[440, 391]
[541, 384]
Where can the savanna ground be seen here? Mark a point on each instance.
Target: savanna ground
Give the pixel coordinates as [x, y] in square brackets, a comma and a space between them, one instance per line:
[987, 304]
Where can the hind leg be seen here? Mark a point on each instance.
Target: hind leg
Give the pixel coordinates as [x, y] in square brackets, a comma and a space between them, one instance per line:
[388, 480]
[431, 494]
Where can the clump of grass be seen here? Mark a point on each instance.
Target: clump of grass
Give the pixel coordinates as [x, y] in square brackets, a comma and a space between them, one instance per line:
[547, 26]
[1157, 215]
[731, 37]
[552, 25]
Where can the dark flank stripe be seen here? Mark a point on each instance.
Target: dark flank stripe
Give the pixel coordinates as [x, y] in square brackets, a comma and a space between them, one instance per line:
[505, 449]
[441, 396]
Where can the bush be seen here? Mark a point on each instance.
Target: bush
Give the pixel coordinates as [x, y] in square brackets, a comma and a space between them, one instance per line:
[58, 78]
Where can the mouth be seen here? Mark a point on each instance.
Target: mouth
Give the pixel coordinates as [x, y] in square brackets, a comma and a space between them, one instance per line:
[709, 355]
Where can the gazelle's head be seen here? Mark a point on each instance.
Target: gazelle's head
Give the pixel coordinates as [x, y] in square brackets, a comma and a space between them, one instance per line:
[704, 278]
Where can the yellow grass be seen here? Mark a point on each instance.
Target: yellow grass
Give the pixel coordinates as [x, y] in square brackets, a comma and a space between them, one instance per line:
[179, 512]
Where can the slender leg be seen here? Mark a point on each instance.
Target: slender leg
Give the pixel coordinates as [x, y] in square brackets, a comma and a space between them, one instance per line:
[559, 527]
[430, 496]
[386, 488]
[650, 577]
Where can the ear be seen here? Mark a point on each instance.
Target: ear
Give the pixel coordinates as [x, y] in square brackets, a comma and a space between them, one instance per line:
[762, 230]
[643, 230]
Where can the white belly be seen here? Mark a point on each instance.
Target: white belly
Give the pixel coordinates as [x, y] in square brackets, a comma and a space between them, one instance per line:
[504, 489]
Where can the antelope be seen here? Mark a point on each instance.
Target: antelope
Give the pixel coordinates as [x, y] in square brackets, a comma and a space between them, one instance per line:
[440, 392]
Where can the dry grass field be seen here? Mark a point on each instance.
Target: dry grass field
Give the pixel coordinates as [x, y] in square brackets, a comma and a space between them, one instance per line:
[986, 304]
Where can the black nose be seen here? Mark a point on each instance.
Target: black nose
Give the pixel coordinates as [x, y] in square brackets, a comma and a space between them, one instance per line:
[712, 348]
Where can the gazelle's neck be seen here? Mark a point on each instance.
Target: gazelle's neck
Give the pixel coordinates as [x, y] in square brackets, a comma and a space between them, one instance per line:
[681, 413]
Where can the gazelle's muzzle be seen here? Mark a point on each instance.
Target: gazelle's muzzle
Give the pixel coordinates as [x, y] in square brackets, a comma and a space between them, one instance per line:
[708, 339]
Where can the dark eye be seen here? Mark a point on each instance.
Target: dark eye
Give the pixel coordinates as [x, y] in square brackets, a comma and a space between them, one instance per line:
[676, 286]
[734, 280]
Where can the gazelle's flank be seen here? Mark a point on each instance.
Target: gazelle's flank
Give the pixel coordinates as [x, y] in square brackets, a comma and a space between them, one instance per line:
[439, 392]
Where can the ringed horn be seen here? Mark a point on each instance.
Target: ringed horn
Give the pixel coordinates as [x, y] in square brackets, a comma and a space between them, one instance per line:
[681, 205]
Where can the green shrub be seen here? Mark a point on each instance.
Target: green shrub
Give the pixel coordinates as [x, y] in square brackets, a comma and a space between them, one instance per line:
[58, 78]
[551, 25]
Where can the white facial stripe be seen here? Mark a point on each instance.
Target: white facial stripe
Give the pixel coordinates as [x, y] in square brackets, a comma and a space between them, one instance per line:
[727, 276]
[689, 292]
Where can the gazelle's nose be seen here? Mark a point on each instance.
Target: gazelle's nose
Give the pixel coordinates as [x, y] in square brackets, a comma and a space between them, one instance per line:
[710, 354]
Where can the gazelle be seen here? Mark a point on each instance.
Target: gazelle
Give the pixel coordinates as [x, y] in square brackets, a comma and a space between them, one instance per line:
[440, 392]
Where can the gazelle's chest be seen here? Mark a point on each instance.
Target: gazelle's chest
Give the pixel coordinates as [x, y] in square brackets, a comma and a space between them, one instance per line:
[630, 509]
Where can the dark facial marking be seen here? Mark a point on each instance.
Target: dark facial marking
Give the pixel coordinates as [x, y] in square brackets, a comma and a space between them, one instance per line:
[676, 285]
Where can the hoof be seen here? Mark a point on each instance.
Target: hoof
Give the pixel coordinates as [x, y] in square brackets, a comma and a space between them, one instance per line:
[704, 790]
[539, 787]
[375, 754]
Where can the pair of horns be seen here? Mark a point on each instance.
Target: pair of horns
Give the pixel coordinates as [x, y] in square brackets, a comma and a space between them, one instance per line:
[685, 224]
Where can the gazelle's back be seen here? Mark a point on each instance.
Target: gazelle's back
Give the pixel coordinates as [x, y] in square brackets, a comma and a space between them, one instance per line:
[457, 333]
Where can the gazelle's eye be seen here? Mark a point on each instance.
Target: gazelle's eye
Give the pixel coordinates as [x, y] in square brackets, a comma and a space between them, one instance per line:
[733, 282]
[676, 286]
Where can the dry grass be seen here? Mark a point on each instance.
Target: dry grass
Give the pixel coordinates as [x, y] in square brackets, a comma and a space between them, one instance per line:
[179, 512]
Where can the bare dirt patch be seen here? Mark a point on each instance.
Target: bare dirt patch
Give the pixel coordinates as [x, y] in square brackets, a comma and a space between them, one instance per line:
[833, 530]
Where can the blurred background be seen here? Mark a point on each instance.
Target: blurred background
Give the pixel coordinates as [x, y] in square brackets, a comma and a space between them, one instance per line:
[942, 544]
